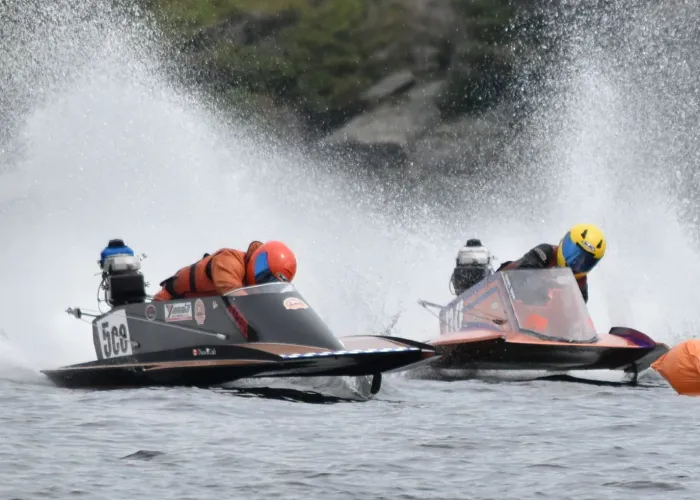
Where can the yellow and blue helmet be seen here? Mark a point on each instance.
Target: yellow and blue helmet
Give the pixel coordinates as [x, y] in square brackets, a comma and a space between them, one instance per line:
[581, 249]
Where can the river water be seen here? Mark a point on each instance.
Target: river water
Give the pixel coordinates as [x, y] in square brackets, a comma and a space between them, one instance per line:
[417, 439]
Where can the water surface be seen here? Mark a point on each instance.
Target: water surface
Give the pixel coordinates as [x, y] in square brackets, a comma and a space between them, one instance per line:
[418, 439]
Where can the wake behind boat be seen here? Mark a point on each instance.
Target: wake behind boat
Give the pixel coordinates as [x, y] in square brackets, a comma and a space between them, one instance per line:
[265, 330]
[534, 319]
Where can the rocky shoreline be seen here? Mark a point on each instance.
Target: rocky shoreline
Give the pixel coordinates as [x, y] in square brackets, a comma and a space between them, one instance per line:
[420, 85]
[424, 83]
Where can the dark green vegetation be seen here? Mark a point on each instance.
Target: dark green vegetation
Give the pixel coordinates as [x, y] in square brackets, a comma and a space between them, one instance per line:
[320, 56]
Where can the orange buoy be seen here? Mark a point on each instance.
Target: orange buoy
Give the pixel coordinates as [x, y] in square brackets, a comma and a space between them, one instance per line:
[681, 367]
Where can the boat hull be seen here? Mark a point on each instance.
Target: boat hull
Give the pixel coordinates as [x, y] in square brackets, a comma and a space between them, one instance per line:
[500, 354]
[213, 365]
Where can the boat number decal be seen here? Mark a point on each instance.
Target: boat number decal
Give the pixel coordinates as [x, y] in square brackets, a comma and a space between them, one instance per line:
[114, 335]
[455, 317]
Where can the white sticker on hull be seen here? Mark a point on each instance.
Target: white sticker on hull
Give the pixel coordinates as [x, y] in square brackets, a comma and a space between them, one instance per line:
[179, 311]
[114, 335]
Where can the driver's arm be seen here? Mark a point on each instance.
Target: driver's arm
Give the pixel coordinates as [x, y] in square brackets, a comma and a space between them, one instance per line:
[539, 257]
[583, 286]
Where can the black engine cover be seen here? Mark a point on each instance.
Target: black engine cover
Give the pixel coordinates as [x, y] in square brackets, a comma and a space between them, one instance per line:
[127, 288]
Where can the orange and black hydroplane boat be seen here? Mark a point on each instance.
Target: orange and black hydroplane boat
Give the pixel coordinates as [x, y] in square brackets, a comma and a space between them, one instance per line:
[534, 319]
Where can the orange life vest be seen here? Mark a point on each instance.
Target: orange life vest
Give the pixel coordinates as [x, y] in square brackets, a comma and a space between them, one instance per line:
[214, 274]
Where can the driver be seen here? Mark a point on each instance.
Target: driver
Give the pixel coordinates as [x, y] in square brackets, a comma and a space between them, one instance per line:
[229, 269]
[580, 249]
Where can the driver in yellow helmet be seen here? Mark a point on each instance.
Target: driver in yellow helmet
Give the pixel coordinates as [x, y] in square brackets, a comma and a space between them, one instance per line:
[580, 249]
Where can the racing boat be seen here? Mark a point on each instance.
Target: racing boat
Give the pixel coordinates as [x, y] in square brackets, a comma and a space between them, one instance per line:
[265, 330]
[533, 319]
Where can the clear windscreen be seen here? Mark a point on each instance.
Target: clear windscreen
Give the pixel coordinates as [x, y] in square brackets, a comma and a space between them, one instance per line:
[549, 304]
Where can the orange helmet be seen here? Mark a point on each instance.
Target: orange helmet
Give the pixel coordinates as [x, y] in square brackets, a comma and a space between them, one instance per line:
[272, 261]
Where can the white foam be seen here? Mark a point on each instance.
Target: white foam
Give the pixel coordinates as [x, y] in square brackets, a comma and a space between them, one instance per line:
[112, 149]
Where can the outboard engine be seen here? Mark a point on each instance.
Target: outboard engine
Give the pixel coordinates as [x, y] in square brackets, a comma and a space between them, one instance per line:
[473, 265]
[121, 276]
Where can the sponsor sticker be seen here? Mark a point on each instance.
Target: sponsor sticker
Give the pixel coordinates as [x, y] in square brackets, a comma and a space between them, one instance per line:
[588, 246]
[540, 254]
[199, 313]
[294, 303]
[180, 311]
[205, 351]
[151, 312]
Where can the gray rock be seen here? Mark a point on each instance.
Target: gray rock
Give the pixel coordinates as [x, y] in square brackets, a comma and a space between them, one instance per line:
[392, 84]
[388, 131]
[468, 144]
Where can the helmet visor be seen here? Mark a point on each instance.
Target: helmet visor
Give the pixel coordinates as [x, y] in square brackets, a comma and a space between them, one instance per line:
[576, 257]
[263, 273]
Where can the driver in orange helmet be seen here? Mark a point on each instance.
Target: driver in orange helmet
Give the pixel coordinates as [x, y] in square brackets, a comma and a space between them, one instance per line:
[229, 269]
